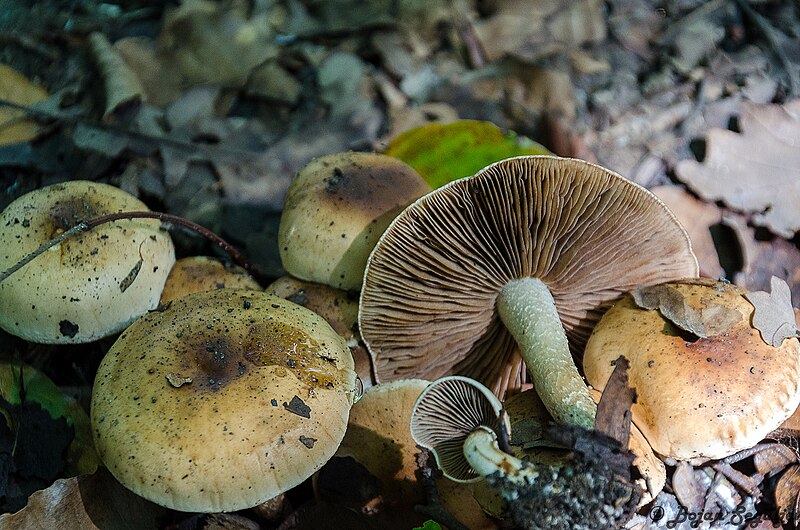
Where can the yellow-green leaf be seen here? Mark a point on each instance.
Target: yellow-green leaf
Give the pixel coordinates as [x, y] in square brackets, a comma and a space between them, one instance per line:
[445, 152]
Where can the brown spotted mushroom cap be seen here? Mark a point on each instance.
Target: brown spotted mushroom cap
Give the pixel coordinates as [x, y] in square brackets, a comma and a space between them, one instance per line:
[223, 400]
[202, 273]
[428, 298]
[89, 286]
[698, 398]
[336, 209]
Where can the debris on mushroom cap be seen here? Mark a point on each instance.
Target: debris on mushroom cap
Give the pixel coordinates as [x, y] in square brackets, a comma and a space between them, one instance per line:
[698, 398]
[428, 299]
[271, 388]
[89, 286]
[336, 209]
[202, 273]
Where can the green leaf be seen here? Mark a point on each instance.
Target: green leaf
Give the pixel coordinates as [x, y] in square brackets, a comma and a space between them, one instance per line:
[429, 525]
[445, 152]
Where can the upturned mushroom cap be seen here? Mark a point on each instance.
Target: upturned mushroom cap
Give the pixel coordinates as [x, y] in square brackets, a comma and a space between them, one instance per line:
[428, 299]
[698, 398]
[89, 286]
[336, 209]
[221, 401]
[445, 414]
[202, 273]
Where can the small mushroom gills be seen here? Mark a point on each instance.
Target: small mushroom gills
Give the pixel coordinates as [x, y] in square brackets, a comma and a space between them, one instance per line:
[221, 400]
[193, 274]
[378, 438]
[460, 421]
[707, 384]
[336, 208]
[521, 258]
[89, 286]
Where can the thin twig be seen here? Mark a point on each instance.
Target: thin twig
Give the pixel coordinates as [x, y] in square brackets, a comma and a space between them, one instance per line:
[84, 226]
[77, 229]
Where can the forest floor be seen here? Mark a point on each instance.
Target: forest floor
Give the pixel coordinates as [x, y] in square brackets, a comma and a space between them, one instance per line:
[207, 110]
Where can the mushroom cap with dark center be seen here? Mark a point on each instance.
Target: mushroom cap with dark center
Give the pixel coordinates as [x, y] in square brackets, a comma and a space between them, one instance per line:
[336, 209]
[429, 292]
[89, 286]
[222, 400]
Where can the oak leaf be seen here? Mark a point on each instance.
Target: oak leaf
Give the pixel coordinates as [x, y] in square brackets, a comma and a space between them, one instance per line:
[757, 170]
[773, 315]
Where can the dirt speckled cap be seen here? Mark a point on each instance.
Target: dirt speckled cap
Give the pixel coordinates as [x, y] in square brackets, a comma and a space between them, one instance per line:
[336, 209]
[221, 401]
[698, 398]
[89, 286]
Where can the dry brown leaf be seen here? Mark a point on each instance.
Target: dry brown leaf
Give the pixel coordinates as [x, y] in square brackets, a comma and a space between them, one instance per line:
[547, 27]
[218, 43]
[16, 88]
[88, 502]
[774, 315]
[787, 496]
[696, 217]
[688, 489]
[708, 321]
[757, 170]
[121, 84]
[614, 409]
[773, 459]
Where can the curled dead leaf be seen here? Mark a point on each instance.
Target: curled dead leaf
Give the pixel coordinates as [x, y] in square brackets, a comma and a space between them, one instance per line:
[787, 496]
[707, 321]
[90, 502]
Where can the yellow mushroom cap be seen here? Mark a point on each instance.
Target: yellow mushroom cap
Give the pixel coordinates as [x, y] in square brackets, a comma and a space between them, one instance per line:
[336, 209]
[202, 273]
[698, 398]
[221, 401]
[89, 286]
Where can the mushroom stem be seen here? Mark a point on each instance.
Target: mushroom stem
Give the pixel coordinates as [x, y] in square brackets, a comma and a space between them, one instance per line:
[484, 455]
[528, 311]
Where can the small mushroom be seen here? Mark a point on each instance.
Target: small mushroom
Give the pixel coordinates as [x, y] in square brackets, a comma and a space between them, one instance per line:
[269, 392]
[493, 266]
[379, 439]
[459, 421]
[89, 286]
[697, 397]
[202, 273]
[336, 209]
